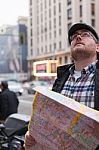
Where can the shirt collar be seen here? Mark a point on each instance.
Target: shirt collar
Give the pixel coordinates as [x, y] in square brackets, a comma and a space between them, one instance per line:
[87, 70]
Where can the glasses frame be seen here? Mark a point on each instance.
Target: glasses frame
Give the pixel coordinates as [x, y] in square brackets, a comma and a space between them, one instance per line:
[83, 34]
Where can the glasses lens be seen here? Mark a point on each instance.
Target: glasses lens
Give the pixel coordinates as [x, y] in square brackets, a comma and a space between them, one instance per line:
[83, 34]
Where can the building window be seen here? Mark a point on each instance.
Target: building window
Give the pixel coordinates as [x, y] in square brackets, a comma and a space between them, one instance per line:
[31, 51]
[37, 19]
[68, 2]
[38, 50]
[59, 20]
[45, 29]
[22, 39]
[69, 13]
[30, 2]
[49, 13]
[30, 12]
[49, 2]
[80, 10]
[37, 10]
[37, 30]
[68, 27]
[54, 22]
[54, 46]
[31, 42]
[92, 9]
[59, 7]
[31, 22]
[41, 49]
[93, 22]
[50, 47]
[41, 6]
[45, 49]
[54, 10]
[60, 60]
[50, 35]
[60, 45]
[31, 32]
[50, 24]
[45, 4]
[65, 59]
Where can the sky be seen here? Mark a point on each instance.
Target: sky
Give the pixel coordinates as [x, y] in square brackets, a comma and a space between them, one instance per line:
[10, 10]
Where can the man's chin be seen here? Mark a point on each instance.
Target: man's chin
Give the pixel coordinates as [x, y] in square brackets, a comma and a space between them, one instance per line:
[80, 55]
[79, 47]
[78, 50]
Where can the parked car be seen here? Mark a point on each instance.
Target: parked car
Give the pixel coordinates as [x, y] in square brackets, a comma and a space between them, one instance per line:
[33, 84]
[16, 87]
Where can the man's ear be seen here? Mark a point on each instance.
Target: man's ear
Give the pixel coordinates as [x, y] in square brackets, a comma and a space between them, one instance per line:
[97, 50]
[97, 47]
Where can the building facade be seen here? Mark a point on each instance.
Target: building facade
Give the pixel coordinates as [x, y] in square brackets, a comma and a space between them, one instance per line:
[22, 30]
[13, 49]
[9, 49]
[49, 21]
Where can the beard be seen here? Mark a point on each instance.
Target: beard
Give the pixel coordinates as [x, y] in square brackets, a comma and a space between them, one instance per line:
[79, 54]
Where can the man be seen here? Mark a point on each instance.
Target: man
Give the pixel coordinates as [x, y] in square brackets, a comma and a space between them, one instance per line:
[8, 101]
[79, 80]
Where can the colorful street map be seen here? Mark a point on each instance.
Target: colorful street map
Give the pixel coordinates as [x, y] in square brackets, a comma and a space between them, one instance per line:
[61, 123]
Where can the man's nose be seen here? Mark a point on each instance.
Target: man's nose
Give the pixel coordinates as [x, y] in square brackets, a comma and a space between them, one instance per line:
[78, 36]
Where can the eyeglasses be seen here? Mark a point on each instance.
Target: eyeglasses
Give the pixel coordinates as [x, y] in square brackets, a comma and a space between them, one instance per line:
[83, 35]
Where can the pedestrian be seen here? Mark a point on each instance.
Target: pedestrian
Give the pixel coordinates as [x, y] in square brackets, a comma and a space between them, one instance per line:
[8, 101]
[79, 80]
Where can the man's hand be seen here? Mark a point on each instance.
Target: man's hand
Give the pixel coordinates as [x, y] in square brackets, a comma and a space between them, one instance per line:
[29, 141]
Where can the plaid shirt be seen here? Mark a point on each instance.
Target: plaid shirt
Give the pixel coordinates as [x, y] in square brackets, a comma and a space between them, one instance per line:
[82, 88]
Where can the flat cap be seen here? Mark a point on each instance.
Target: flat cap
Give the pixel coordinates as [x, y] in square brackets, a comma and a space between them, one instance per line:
[80, 26]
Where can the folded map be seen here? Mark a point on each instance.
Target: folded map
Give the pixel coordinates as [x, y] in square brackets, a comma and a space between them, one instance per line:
[60, 123]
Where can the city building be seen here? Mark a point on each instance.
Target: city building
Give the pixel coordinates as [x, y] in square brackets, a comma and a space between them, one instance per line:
[13, 50]
[49, 21]
[22, 30]
[9, 49]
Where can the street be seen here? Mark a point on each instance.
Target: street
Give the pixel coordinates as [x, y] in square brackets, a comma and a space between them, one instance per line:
[25, 104]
